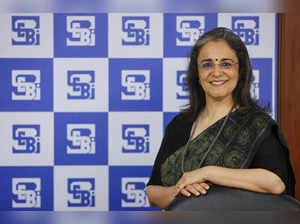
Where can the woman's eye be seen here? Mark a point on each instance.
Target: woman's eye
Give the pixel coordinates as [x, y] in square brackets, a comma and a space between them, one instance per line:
[207, 65]
[226, 65]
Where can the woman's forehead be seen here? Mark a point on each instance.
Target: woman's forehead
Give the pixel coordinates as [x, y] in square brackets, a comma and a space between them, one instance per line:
[217, 50]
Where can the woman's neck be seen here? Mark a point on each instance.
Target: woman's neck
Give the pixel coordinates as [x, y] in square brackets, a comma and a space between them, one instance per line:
[215, 110]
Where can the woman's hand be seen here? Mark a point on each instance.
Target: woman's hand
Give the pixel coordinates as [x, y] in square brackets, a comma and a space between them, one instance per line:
[196, 189]
[161, 196]
[192, 181]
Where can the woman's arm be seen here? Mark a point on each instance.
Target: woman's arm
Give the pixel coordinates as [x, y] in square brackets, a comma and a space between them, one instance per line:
[259, 180]
[194, 182]
[161, 196]
[269, 172]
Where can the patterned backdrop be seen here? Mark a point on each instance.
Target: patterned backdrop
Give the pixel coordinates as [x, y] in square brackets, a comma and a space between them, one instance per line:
[85, 98]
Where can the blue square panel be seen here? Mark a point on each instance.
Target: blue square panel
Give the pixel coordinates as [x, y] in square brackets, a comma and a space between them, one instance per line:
[262, 89]
[26, 85]
[26, 188]
[135, 84]
[181, 31]
[127, 188]
[80, 35]
[80, 138]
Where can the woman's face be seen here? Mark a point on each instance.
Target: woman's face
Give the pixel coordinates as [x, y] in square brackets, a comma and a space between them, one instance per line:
[218, 70]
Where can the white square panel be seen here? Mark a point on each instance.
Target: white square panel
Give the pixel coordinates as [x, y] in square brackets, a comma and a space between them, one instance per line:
[88, 183]
[80, 85]
[27, 35]
[26, 139]
[260, 41]
[135, 35]
[134, 137]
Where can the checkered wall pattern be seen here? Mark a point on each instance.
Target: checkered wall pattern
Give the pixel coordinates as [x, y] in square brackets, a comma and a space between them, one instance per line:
[85, 98]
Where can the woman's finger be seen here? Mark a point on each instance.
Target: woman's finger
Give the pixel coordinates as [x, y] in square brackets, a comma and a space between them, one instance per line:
[200, 188]
[185, 179]
[205, 185]
[193, 190]
[185, 192]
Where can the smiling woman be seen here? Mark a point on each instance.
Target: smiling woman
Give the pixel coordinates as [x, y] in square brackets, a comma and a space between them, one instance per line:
[223, 137]
[218, 74]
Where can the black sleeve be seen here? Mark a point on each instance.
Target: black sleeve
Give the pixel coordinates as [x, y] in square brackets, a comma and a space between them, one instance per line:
[155, 178]
[273, 155]
[176, 135]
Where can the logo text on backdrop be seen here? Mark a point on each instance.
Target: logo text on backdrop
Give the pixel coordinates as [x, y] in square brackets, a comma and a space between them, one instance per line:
[82, 192]
[181, 82]
[26, 192]
[26, 30]
[133, 189]
[135, 85]
[247, 27]
[81, 31]
[26, 84]
[81, 139]
[255, 85]
[26, 139]
[81, 85]
[189, 28]
[136, 30]
[136, 138]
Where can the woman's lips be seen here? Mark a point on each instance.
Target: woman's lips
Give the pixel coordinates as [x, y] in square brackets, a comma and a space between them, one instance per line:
[218, 83]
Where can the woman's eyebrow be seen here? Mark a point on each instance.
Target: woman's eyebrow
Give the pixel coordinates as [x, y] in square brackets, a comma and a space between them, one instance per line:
[210, 60]
[206, 60]
[226, 59]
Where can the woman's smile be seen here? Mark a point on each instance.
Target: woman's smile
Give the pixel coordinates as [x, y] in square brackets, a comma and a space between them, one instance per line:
[218, 83]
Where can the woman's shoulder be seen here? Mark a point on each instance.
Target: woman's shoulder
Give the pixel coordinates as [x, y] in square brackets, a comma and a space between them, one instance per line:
[181, 121]
[255, 114]
[259, 117]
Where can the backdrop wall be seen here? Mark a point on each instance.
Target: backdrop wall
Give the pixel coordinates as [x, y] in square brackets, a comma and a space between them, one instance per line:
[85, 98]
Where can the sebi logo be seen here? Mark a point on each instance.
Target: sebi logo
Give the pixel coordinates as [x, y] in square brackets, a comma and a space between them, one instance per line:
[26, 139]
[189, 28]
[81, 192]
[81, 31]
[181, 82]
[255, 85]
[81, 139]
[135, 138]
[133, 189]
[136, 30]
[247, 27]
[81, 85]
[26, 192]
[26, 85]
[135, 85]
[26, 30]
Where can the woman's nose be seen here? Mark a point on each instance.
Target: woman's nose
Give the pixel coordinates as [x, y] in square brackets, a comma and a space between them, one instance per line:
[217, 71]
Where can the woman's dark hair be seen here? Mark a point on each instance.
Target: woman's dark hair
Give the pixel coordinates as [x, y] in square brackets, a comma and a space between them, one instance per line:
[241, 94]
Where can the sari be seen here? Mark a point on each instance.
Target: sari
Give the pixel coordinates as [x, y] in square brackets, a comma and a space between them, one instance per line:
[235, 147]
